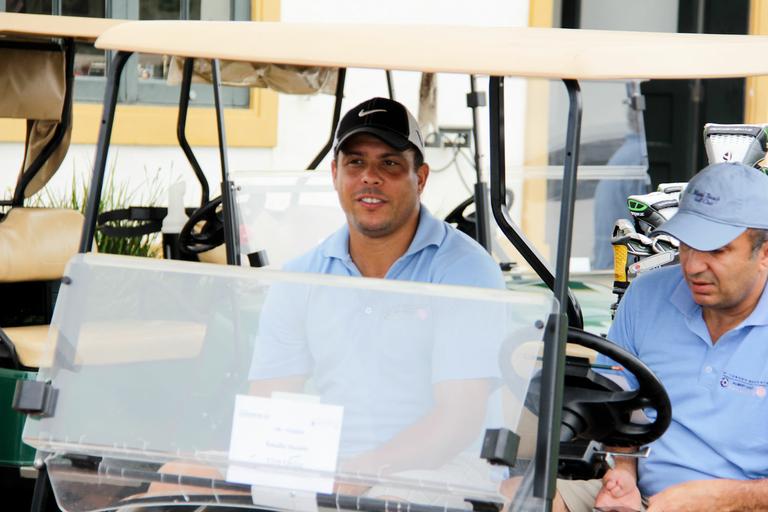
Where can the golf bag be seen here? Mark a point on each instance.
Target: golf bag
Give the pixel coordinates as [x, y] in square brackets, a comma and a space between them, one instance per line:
[635, 248]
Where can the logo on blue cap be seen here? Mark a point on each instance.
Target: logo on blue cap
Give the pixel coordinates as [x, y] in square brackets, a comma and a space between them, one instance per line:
[704, 197]
[719, 204]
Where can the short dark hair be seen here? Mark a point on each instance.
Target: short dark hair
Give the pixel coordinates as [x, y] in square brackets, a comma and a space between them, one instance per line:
[418, 158]
[758, 237]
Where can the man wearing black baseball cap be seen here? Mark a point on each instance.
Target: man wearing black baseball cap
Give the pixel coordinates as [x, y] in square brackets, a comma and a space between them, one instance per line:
[426, 383]
[379, 174]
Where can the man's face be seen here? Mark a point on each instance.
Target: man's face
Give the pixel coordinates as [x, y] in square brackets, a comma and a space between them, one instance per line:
[378, 186]
[727, 277]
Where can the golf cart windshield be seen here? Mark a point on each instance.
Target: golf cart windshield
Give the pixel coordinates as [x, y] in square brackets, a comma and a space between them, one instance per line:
[205, 383]
[285, 214]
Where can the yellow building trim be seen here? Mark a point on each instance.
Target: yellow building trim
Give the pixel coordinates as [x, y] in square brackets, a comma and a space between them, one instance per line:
[534, 209]
[540, 13]
[145, 125]
[756, 90]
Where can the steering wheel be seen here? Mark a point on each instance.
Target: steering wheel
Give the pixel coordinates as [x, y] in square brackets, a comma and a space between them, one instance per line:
[464, 222]
[204, 230]
[605, 415]
[596, 408]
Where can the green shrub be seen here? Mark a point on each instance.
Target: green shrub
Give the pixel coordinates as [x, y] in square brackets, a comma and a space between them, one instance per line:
[115, 195]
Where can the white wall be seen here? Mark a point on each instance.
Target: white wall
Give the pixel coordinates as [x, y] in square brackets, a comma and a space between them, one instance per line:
[304, 122]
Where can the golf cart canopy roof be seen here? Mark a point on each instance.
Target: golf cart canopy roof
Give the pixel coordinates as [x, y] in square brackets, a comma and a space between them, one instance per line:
[35, 76]
[496, 51]
[41, 25]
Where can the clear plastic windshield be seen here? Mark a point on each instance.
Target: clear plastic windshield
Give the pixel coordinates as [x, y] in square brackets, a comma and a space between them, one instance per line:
[285, 214]
[183, 383]
[613, 164]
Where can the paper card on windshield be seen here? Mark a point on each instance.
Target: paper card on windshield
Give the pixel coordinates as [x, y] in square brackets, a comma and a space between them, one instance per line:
[284, 434]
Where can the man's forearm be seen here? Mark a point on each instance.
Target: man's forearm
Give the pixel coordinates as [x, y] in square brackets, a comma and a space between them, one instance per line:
[745, 495]
[427, 444]
[438, 436]
[266, 387]
[724, 495]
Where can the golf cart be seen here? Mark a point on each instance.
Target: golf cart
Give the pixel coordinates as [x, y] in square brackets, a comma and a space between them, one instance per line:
[146, 403]
[37, 56]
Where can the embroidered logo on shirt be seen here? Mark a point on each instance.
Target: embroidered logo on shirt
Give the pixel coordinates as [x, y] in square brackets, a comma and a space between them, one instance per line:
[743, 385]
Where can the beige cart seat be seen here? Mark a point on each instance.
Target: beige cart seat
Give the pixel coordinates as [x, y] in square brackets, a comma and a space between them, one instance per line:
[35, 245]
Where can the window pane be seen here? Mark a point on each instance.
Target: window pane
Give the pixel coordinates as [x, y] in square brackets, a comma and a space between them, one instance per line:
[89, 61]
[88, 8]
[29, 6]
[159, 9]
[147, 82]
[211, 10]
[152, 70]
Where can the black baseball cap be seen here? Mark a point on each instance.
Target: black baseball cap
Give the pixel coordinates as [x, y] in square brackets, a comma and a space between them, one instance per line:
[384, 118]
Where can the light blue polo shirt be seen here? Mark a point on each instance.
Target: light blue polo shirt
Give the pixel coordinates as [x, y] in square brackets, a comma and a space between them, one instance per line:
[380, 354]
[438, 254]
[719, 423]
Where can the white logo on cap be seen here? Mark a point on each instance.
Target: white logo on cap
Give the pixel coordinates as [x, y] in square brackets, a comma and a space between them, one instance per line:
[364, 112]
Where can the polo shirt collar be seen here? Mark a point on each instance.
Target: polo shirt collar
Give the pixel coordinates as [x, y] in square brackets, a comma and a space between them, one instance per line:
[337, 245]
[759, 315]
[682, 299]
[430, 231]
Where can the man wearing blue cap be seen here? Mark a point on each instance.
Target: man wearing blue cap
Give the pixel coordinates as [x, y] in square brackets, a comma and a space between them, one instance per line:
[702, 327]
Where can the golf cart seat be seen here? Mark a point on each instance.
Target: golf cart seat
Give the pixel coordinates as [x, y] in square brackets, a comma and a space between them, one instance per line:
[217, 255]
[36, 74]
[35, 245]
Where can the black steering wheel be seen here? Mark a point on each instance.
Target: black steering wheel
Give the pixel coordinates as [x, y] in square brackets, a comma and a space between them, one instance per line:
[596, 408]
[464, 222]
[606, 413]
[204, 230]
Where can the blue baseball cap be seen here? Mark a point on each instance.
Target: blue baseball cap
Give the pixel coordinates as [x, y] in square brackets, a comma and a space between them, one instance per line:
[718, 205]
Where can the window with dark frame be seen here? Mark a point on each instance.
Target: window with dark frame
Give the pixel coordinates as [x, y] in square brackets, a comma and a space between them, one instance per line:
[147, 84]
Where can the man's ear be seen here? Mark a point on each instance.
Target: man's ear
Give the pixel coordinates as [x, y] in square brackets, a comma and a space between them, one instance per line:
[333, 171]
[422, 173]
[763, 255]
